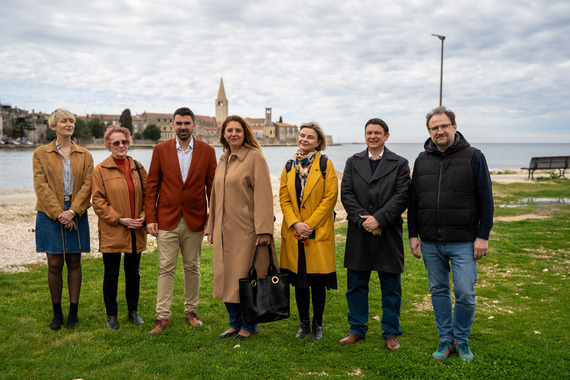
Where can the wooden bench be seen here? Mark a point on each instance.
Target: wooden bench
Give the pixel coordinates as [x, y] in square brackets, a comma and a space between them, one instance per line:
[545, 163]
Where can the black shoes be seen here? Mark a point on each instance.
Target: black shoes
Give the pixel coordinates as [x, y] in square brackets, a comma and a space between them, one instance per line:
[304, 329]
[317, 333]
[56, 323]
[112, 323]
[226, 334]
[71, 322]
[135, 318]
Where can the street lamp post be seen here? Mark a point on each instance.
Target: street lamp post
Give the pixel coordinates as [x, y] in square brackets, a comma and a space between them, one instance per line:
[441, 72]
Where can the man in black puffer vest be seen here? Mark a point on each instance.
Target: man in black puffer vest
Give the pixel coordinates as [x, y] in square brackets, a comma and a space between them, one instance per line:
[451, 209]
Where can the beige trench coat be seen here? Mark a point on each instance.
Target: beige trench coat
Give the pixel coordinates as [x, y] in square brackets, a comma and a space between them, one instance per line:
[241, 207]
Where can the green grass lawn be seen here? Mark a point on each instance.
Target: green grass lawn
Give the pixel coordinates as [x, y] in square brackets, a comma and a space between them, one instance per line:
[520, 330]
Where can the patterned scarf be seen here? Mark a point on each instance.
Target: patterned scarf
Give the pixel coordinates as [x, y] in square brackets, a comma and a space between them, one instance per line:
[303, 163]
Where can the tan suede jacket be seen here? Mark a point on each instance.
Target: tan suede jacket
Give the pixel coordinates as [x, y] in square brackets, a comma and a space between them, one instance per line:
[48, 179]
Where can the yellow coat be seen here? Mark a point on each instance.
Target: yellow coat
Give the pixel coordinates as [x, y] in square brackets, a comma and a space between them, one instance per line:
[319, 199]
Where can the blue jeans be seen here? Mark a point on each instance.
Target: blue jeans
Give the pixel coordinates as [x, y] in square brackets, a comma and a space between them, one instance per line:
[357, 298]
[437, 258]
[236, 322]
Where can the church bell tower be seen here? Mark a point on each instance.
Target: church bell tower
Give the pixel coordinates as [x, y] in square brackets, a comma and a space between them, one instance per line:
[221, 104]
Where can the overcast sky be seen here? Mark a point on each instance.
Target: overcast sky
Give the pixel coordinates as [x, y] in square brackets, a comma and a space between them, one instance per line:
[506, 62]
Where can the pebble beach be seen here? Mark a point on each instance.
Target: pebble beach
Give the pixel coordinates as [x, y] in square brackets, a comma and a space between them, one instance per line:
[18, 217]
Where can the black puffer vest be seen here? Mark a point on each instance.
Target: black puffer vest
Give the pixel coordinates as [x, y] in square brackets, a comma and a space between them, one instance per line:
[447, 199]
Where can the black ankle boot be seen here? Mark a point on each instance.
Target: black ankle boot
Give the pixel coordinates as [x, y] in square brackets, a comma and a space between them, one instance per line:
[72, 316]
[317, 333]
[57, 320]
[56, 323]
[112, 323]
[135, 318]
[304, 329]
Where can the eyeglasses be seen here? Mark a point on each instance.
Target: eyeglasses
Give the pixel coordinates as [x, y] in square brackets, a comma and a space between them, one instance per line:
[443, 127]
[119, 142]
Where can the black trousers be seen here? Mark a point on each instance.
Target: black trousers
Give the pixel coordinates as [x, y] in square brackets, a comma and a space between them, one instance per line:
[303, 298]
[131, 264]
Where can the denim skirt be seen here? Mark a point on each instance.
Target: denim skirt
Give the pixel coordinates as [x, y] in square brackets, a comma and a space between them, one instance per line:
[52, 238]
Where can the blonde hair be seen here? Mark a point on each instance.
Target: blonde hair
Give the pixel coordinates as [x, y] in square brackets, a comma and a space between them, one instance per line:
[249, 137]
[59, 113]
[320, 134]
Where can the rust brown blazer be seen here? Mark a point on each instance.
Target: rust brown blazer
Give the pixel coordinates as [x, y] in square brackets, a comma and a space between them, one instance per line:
[168, 198]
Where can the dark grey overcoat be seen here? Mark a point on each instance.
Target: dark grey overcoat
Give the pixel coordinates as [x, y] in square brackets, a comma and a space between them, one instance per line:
[383, 195]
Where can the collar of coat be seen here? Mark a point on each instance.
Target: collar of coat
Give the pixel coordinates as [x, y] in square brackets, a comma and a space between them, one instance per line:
[312, 179]
[361, 164]
[109, 162]
[74, 147]
[241, 153]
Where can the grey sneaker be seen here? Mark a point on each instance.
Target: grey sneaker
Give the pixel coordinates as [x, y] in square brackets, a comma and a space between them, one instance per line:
[464, 352]
[444, 350]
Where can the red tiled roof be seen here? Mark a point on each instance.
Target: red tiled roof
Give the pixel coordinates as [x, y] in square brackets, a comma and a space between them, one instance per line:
[158, 114]
[285, 125]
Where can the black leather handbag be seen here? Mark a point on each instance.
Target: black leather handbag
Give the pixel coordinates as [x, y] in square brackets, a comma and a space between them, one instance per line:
[264, 299]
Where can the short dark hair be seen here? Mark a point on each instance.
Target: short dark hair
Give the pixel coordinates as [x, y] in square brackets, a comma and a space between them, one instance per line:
[438, 111]
[380, 122]
[184, 111]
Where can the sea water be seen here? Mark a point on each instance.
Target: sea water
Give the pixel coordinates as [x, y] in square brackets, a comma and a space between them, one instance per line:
[16, 164]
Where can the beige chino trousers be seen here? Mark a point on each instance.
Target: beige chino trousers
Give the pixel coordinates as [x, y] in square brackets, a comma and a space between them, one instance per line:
[189, 244]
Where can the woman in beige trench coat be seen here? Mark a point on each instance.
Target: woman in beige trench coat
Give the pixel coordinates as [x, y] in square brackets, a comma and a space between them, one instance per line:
[241, 217]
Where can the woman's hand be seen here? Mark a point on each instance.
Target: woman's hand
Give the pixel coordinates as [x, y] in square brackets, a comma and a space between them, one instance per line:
[132, 223]
[263, 239]
[210, 238]
[65, 217]
[70, 225]
[303, 230]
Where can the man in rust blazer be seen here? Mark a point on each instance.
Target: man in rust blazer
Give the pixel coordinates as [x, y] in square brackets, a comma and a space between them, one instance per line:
[179, 181]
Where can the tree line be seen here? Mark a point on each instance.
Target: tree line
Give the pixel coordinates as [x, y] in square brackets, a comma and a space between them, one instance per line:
[92, 128]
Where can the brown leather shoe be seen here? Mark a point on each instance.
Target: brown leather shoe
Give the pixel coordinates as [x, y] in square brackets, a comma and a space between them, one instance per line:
[159, 326]
[392, 343]
[193, 319]
[350, 339]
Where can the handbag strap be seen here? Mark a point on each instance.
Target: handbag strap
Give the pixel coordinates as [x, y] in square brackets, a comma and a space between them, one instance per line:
[140, 177]
[272, 270]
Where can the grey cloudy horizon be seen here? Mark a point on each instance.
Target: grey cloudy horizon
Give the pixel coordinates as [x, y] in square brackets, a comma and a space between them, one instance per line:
[506, 62]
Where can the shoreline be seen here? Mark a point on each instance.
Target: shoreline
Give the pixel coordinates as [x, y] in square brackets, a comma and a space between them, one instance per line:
[18, 217]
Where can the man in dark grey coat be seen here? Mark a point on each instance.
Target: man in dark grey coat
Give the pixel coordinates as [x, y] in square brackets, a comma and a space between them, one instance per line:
[374, 192]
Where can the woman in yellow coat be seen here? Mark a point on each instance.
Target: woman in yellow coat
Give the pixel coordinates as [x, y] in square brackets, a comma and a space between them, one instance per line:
[308, 197]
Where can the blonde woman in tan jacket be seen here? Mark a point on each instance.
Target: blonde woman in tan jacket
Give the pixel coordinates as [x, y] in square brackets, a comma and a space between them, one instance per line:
[62, 182]
[119, 183]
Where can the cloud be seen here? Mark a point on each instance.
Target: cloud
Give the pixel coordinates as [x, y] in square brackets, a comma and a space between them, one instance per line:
[506, 63]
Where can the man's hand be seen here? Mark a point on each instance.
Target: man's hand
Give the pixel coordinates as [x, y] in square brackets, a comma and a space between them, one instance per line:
[416, 247]
[152, 229]
[370, 223]
[210, 238]
[480, 248]
[377, 232]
